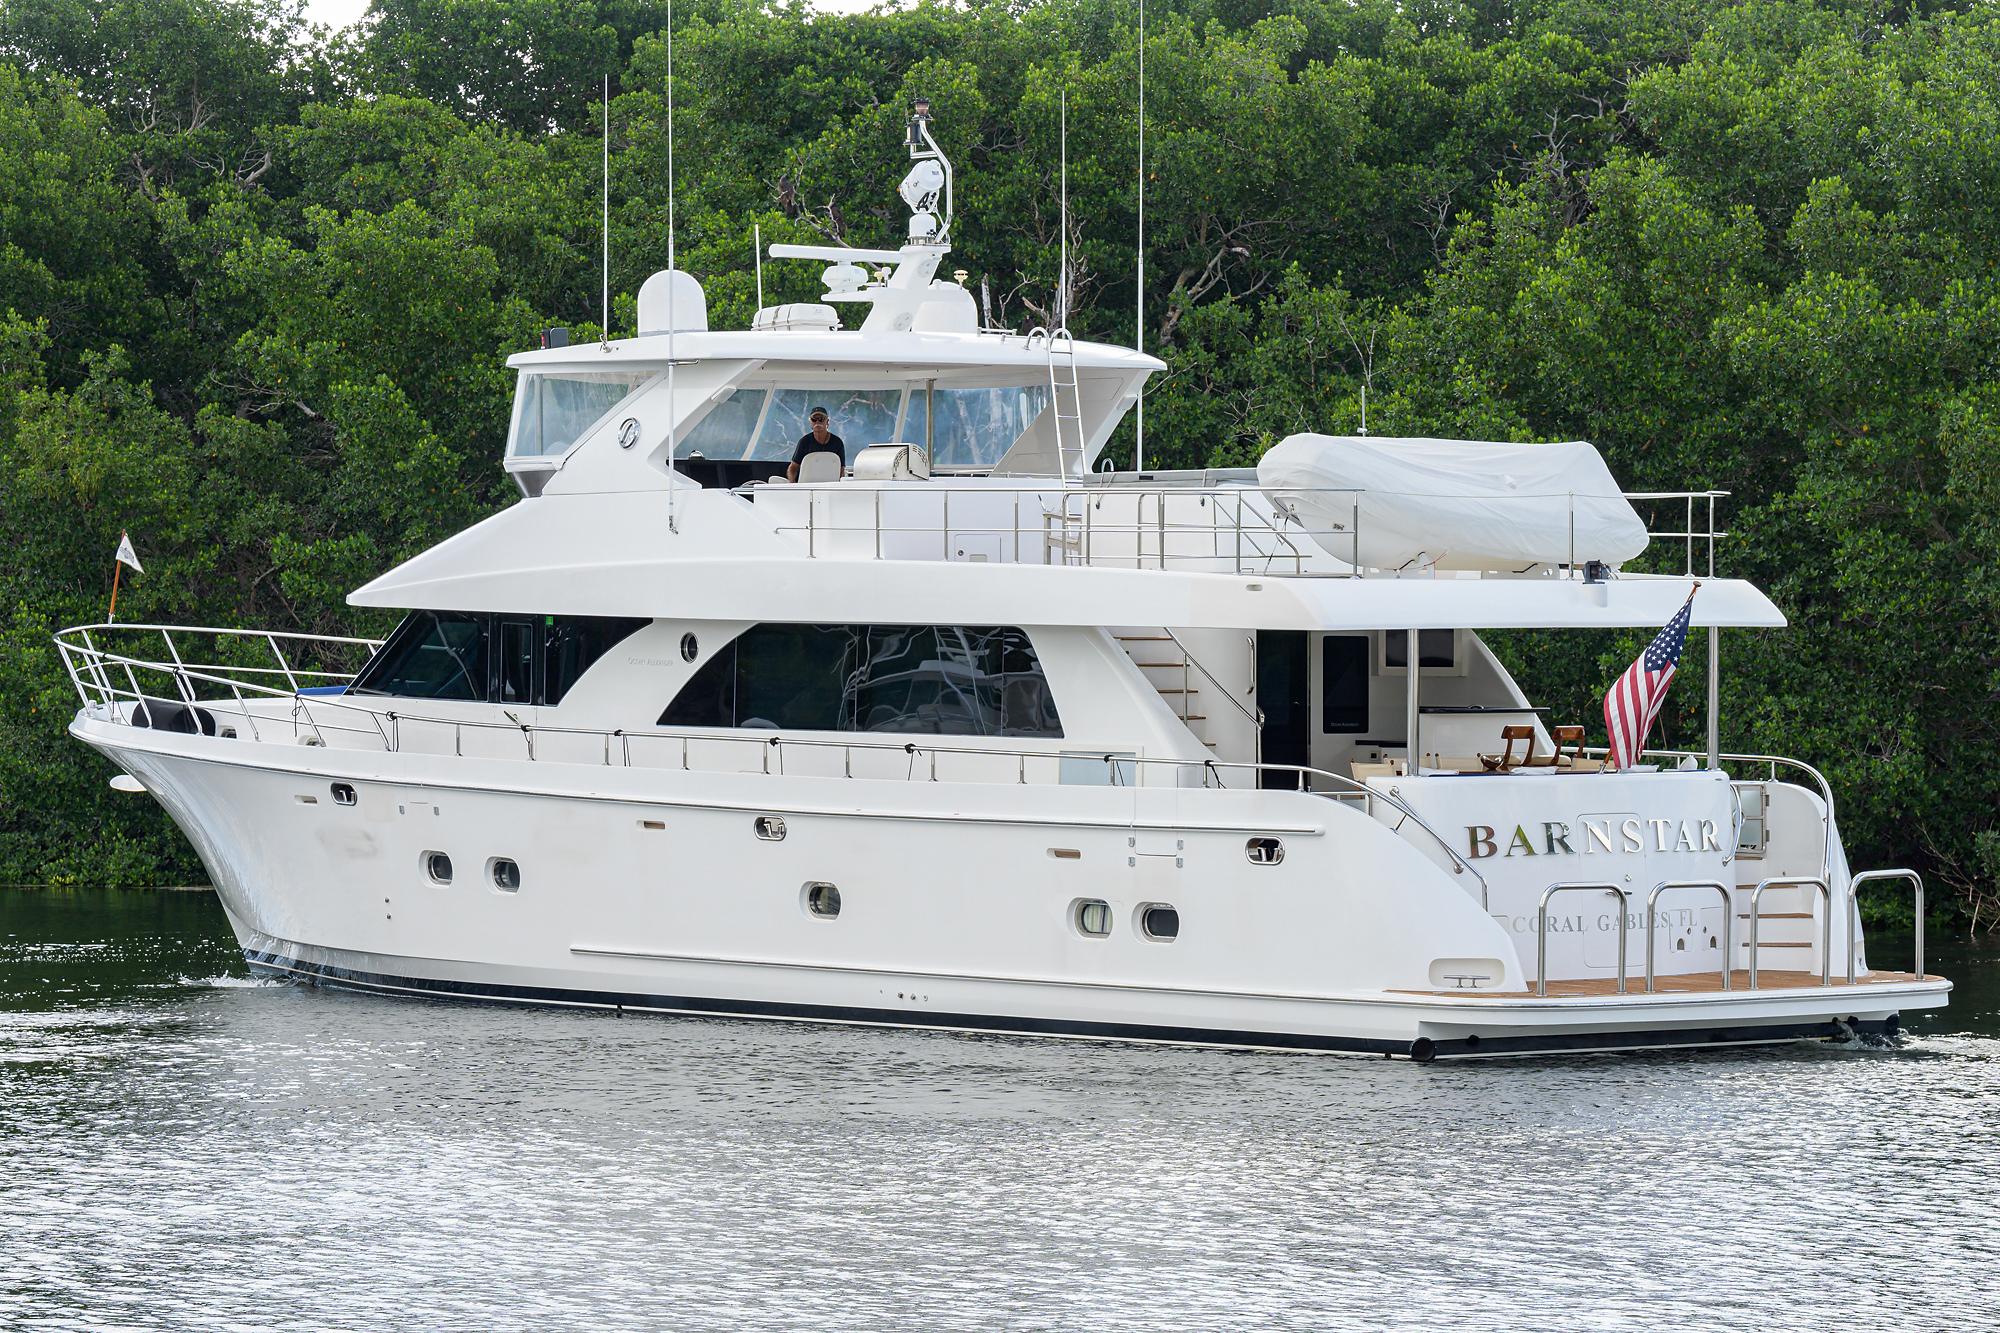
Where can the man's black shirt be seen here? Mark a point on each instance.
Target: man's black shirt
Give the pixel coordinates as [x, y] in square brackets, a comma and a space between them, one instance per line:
[808, 445]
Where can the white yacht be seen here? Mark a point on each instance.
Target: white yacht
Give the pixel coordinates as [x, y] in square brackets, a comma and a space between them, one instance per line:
[969, 735]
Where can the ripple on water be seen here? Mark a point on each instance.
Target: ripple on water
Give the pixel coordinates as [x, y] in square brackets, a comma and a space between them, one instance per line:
[186, 1150]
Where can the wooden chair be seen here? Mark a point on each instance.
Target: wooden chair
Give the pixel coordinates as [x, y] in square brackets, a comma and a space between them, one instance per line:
[1500, 763]
[1569, 746]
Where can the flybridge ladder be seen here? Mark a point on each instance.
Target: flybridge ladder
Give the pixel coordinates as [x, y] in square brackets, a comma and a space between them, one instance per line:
[1060, 345]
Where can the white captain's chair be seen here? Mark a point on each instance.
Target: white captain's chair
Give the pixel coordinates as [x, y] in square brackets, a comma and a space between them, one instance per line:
[820, 465]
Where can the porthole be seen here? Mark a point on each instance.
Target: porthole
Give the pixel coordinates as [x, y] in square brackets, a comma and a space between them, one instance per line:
[438, 867]
[1091, 916]
[821, 899]
[771, 828]
[505, 874]
[1158, 921]
[1264, 851]
[690, 647]
[343, 794]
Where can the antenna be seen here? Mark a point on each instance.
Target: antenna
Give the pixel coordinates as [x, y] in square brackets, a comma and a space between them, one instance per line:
[1139, 302]
[757, 246]
[604, 338]
[1062, 213]
[673, 281]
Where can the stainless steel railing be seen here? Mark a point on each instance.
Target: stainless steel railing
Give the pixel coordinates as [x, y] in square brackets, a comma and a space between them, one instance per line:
[1854, 887]
[1826, 938]
[91, 670]
[1232, 526]
[1652, 914]
[1542, 927]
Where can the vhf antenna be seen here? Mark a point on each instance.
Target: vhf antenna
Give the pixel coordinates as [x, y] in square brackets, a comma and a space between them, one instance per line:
[1062, 211]
[604, 337]
[673, 282]
[1139, 302]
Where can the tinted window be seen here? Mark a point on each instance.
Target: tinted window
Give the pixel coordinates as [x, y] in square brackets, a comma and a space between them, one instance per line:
[432, 655]
[571, 645]
[516, 674]
[1343, 684]
[933, 680]
[1436, 647]
[460, 655]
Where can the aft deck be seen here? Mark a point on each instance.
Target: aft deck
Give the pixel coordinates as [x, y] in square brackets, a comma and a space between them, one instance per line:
[1688, 983]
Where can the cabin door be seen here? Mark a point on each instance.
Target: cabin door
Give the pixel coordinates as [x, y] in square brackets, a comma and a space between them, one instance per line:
[1284, 692]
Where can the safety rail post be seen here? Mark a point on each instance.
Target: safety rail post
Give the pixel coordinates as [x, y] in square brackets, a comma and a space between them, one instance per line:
[1542, 927]
[180, 670]
[1826, 937]
[286, 666]
[1915, 881]
[1728, 909]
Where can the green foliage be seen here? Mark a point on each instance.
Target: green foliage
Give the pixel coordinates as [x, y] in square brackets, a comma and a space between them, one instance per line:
[257, 285]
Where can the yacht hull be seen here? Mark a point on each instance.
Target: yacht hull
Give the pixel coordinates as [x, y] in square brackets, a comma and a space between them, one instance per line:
[657, 890]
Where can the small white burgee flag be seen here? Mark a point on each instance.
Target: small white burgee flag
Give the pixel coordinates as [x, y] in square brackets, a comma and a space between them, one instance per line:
[124, 556]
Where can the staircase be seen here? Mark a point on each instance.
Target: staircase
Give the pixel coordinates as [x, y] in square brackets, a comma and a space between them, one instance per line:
[1167, 668]
[1787, 930]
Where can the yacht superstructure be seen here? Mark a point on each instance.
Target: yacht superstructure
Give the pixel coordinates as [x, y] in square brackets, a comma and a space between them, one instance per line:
[972, 736]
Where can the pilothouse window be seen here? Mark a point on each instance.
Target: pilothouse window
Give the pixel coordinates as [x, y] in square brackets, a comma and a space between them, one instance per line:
[553, 411]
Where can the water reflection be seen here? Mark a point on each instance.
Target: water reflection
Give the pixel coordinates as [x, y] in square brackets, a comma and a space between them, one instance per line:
[182, 1148]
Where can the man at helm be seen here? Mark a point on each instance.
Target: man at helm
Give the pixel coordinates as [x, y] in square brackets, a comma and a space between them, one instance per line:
[815, 441]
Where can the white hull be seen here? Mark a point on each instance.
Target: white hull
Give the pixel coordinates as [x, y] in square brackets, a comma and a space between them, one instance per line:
[649, 889]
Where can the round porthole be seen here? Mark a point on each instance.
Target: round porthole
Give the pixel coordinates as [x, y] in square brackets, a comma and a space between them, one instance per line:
[690, 648]
[438, 866]
[506, 874]
[822, 900]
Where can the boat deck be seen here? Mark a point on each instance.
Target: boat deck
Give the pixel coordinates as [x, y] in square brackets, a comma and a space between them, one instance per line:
[1689, 983]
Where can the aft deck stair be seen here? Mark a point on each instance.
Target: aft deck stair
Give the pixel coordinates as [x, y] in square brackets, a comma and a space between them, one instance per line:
[1787, 928]
[1171, 672]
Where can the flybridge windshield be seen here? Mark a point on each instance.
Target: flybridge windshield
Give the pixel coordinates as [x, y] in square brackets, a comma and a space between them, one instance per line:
[553, 412]
[969, 429]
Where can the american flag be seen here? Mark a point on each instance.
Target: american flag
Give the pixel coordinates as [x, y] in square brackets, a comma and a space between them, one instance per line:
[1633, 703]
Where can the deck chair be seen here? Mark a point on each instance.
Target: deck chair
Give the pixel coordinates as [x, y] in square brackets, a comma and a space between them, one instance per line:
[819, 465]
[1569, 746]
[1500, 763]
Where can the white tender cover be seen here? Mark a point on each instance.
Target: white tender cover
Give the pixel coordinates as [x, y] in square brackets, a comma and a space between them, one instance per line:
[1455, 504]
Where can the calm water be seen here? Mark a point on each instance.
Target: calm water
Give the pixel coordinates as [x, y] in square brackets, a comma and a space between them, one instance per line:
[182, 1148]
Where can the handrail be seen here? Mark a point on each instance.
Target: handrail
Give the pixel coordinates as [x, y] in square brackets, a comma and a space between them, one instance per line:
[1282, 516]
[1826, 941]
[1542, 928]
[90, 662]
[1915, 880]
[1728, 909]
[1256, 716]
[1774, 760]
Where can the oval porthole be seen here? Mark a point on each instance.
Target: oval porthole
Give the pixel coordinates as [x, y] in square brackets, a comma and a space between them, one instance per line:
[771, 828]
[690, 647]
[1158, 921]
[821, 899]
[343, 794]
[1091, 916]
[505, 873]
[1264, 851]
[438, 866]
